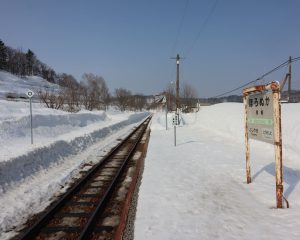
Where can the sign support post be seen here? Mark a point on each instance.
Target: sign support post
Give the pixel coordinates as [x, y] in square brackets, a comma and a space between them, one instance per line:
[278, 147]
[31, 120]
[263, 123]
[248, 170]
[166, 116]
[175, 135]
[175, 123]
[30, 95]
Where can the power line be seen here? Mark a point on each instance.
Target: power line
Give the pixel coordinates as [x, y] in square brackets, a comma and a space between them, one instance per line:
[260, 78]
[180, 27]
[202, 27]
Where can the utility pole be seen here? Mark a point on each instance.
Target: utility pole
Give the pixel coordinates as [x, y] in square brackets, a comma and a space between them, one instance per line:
[176, 117]
[290, 79]
[177, 83]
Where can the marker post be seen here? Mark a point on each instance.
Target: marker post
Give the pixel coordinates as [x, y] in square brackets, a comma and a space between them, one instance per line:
[30, 95]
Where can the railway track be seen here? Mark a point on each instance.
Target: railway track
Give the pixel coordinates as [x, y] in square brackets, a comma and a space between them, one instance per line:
[91, 209]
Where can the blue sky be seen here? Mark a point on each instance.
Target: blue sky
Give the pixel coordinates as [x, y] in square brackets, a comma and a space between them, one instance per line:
[130, 42]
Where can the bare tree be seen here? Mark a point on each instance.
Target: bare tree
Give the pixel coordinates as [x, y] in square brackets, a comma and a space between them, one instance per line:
[122, 98]
[95, 93]
[16, 61]
[170, 95]
[51, 99]
[189, 96]
[71, 91]
[137, 102]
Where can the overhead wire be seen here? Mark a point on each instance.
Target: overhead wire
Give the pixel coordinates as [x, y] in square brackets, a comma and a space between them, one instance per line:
[260, 78]
[212, 10]
[180, 27]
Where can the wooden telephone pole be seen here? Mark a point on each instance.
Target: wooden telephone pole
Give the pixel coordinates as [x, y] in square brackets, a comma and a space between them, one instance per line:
[177, 83]
[176, 117]
[288, 78]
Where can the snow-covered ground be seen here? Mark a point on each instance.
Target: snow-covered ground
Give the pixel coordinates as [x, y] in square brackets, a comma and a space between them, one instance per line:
[64, 144]
[198, 190]
[17, 86]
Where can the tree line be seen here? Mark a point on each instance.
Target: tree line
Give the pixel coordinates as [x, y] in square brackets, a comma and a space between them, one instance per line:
[188, 97]
[22, 64]
[89, 93]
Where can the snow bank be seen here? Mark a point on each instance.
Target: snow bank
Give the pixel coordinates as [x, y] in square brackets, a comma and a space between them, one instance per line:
[32, 175]
[227, 120]
[49, 125]
[16, 169]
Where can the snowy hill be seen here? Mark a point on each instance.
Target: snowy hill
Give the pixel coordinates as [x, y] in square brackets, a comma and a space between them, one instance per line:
[17, 86]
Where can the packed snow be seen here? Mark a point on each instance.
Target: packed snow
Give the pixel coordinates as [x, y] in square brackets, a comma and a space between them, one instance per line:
[198, 189]
[64, 144]
[12, 85]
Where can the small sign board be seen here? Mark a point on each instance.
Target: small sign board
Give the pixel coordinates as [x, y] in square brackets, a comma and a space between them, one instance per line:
[260, 116]
[176, 119]
[29, 93]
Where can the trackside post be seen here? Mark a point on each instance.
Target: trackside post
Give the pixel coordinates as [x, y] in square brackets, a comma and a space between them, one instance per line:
[30, 94]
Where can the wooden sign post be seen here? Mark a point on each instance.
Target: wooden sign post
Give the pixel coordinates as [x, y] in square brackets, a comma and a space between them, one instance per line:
[263, 123]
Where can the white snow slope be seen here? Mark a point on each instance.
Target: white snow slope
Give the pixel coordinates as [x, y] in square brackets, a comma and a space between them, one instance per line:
[198, 190]
[64, 145]
[12, 84]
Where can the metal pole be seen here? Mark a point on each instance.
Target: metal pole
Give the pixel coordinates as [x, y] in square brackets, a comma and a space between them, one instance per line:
[278, 147]
[166, 116]
[175, 135]
[31, 121]
[248, 170]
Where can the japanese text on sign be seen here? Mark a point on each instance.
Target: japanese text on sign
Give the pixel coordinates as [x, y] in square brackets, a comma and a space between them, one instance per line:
[261, 117]
[176, 120]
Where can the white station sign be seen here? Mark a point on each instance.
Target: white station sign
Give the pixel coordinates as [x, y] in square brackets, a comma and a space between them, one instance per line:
[261, 117]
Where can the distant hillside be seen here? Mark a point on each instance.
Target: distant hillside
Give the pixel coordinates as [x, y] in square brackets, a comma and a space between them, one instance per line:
[231, 98]
[23, 64]
[295, 98]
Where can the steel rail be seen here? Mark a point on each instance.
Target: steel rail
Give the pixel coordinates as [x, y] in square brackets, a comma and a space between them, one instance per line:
[35, 229]
[92, 221]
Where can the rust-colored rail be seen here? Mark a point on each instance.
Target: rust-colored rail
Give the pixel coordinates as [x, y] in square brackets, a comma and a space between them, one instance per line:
[78, 214]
